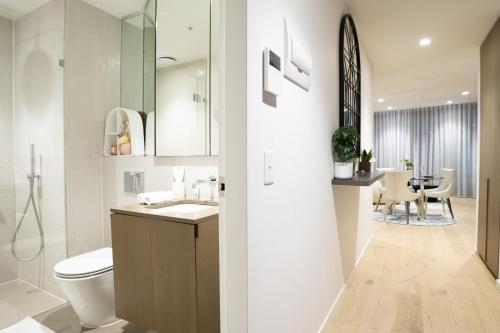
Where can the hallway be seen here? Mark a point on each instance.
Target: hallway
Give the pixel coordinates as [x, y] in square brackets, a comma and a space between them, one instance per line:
[421, 279]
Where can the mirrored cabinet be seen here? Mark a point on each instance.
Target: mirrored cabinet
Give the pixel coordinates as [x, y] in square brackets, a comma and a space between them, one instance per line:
[166, 75]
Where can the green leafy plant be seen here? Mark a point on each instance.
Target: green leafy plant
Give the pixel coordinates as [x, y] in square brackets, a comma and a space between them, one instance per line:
[366, 156]
[345, 142]
[408, 163]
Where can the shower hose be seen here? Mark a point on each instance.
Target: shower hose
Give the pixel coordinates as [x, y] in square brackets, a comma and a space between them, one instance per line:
[31, 200]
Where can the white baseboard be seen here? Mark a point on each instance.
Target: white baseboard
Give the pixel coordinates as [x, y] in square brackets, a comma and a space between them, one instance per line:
[341, 293]
[362, 254]
[332, 308]
[498, 283]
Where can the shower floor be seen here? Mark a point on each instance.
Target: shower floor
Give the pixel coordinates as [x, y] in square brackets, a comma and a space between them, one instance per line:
[19, 299]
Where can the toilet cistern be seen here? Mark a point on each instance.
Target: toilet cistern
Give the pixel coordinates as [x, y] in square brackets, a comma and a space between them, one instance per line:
[211, 180]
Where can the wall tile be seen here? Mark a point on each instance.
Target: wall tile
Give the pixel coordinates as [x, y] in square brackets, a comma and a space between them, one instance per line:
[92, 89]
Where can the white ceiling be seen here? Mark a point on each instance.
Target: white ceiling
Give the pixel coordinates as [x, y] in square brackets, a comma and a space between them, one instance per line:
[14, 9]
[174, 36]
[408, 75]
[119, 8]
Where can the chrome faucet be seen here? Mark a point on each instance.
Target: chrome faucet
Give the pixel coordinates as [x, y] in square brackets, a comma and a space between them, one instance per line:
[211, 180]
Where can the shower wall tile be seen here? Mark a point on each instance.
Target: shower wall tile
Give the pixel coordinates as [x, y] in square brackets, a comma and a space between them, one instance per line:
[38, 120]
[8, 269]
[92, 89]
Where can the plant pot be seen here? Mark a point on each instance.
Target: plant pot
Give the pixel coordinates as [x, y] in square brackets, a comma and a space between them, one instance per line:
[344, 170]
[365, 166]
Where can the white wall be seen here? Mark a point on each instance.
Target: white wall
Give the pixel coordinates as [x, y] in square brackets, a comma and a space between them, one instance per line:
[365, 224]
[353, 205]
[294, 252]
[294, 259]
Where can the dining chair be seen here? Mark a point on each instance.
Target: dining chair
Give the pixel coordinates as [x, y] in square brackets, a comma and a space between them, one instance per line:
[396, 191]
[379, 188]
[444, 191]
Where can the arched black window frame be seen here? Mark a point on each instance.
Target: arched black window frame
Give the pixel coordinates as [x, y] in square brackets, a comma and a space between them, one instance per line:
[350, 76]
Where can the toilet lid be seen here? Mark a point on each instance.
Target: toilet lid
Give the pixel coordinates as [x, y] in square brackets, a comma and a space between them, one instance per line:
[86, 264]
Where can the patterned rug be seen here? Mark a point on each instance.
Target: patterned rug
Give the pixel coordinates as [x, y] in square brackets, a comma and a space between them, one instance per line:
[435, 215]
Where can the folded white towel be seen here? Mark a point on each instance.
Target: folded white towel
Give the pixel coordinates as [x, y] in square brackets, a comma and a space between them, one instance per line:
[151, 198]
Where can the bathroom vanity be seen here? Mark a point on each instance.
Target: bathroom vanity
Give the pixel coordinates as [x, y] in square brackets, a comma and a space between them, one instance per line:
[166, 266]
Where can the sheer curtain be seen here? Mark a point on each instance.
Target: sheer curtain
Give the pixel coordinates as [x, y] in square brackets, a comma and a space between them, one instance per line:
[433, 138]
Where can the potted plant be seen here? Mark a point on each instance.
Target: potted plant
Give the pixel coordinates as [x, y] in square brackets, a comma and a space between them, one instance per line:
[344, 144]
[365, 164]
[408, 163]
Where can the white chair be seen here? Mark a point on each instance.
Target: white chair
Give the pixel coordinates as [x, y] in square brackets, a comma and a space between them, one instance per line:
[445, 191]
[396, 191]
[379, 188]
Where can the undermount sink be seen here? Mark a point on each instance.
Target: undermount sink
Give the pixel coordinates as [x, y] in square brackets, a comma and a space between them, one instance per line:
[183, 208]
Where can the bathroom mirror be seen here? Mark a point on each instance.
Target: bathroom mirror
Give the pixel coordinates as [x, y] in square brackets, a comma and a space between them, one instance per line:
[184, 121]
[137, 65]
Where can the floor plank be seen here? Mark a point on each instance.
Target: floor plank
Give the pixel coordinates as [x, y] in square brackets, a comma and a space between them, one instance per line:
[421, 279]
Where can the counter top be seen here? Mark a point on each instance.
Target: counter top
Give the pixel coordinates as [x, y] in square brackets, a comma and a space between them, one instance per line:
[360, 179]
[151, 211]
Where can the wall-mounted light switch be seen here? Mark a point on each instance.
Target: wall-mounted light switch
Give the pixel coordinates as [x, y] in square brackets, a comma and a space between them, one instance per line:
[268, 167]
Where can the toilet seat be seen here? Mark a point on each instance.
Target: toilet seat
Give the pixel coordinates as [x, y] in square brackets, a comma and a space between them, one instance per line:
[85, 265]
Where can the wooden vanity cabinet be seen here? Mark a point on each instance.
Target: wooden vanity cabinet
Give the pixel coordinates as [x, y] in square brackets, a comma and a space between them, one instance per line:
[166, 274]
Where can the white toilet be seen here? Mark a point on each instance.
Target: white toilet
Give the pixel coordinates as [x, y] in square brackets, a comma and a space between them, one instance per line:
[87, 282]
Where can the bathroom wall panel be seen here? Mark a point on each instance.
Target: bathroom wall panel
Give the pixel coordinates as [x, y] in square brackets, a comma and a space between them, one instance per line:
[38, 119]
[91, 90]
[8, 269]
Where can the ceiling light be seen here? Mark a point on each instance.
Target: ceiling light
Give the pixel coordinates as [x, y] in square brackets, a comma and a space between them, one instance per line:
[380, 100]
[424, 42]
[389, 108]
[161, 61]
[465, 93]
[449, 102]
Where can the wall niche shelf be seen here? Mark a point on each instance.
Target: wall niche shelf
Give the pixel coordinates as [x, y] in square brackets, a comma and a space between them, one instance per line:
[112, 129]
[360, 179]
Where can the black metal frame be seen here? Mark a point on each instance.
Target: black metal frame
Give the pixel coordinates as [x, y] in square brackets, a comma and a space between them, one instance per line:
[349, 75]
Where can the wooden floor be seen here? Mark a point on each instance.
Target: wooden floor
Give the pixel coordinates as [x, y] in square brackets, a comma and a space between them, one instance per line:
[421, 279]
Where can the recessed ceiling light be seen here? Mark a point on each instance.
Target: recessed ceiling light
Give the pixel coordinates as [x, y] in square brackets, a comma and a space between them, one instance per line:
[389, 108]
[165, 61]
[424, 42]
[380, 100]
[449, 102]
[465, 93]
